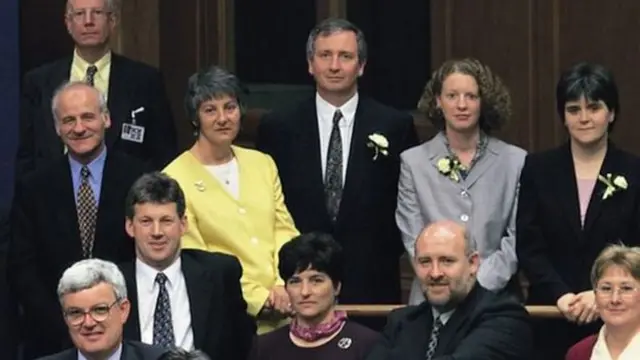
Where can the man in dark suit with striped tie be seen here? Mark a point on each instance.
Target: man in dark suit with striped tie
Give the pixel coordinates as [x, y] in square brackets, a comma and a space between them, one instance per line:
[141, 120]
[66, 211]
[460, 320]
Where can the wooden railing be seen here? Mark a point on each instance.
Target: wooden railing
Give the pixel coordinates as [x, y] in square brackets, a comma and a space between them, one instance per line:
[383, 310]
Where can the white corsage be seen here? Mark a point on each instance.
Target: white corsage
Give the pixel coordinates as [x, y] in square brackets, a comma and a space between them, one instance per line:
[614, 183]
[379, 144]
[450, 168]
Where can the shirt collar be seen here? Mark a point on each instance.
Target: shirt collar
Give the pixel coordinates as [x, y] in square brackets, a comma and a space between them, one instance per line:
[96, 166]
[348, 109]
[82, 64]
[444, 317]
[117, 355]
[147, 274]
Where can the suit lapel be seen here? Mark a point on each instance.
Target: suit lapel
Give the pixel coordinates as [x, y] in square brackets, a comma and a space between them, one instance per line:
[488, 160]
[108, 202]
[609, 166]
[59, 74]
[359, 160]
[199, 292]
[132, 326]
[65, 200]
[436, 149]
[566, 187]
[119, 80]
[418, 330]
[309, 165]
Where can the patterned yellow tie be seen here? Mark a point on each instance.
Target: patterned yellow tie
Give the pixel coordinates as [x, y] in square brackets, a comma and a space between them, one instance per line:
[87, 213]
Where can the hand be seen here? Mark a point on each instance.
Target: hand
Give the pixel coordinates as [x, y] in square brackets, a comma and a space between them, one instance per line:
[279, 300]
[589, 310]
[566, 306]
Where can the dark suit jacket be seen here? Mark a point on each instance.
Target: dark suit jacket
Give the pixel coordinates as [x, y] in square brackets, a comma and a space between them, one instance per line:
[485, 326]
[46, 240]
[219, 320]
[365, 225]
[131, 350]
[555, 251]
[131, 85]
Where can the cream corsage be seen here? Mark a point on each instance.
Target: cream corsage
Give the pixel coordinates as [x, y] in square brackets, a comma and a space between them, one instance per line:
[379, 144]
[614, 183]
[450, 168]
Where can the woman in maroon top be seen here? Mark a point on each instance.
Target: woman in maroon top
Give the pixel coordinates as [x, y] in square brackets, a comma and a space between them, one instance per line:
[311, 265]
[616, 282]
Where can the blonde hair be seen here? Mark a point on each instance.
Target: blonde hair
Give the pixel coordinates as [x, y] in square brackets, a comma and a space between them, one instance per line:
[626, 257]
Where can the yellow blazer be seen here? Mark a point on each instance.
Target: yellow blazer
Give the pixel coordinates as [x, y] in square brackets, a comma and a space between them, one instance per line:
[252, 228]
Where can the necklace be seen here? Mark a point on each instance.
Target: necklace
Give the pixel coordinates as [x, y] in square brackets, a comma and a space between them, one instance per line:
[223, 172]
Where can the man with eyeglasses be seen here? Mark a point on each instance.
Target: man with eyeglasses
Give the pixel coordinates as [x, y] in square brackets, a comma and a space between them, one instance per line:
[95, 307]
[142, 121]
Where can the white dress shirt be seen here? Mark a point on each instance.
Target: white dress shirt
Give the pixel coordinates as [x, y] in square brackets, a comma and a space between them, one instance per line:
[148, 291]
[325, 113]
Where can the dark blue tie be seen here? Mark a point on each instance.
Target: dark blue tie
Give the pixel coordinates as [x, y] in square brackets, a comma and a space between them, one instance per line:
[162, 324]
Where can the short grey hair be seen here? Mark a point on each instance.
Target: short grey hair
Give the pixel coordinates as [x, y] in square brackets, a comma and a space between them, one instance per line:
[470, 244]
[88, 273]
[334, 25]
[109, 5]
[102, 99]
[181, 354]
[211, 83]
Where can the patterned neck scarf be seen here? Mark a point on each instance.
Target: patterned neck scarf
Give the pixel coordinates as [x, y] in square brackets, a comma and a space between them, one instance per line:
[320, 331]
[481, 147]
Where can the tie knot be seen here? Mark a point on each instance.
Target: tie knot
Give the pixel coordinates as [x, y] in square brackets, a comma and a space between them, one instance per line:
[85, 173]
[336, 117]
[161, 279]
[437, 324]
[92, 70]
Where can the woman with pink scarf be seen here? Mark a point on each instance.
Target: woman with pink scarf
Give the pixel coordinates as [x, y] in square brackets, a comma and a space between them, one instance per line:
[311, 266]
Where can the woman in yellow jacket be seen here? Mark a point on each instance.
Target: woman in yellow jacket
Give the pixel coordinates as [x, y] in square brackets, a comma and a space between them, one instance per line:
[234, 197]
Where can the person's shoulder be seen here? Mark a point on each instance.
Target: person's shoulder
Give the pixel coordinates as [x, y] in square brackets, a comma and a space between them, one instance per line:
[510, 150]
[180, 166]
[361, 333]
[43, 71]
[272, 340]
[582, 349]
[144, 351]
[288, 113]
[217, 261]
[490, 302]
[63, 355]
[385, 112]
[41, 177]
[137, 66]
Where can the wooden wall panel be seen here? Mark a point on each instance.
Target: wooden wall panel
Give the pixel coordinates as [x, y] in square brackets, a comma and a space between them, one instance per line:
[528, 43]
[138, 36]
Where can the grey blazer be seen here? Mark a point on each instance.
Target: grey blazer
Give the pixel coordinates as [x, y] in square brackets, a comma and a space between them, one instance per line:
[486, 201]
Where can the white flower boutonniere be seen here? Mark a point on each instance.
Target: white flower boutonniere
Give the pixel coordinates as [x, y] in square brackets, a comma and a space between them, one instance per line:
[379, 144]
[199, 185]
[450, 168]
[614, 183]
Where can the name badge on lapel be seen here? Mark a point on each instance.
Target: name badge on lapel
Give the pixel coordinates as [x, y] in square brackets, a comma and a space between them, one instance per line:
[133, 132]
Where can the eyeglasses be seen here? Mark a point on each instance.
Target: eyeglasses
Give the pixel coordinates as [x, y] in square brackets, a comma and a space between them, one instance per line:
[98, 313]
[624, 291]
[78, 15]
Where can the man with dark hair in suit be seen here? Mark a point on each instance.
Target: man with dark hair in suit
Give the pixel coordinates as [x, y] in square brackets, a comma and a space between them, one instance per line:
[93, 296]
[460, 319]
[338, 159]
[66, 211]
[180, 298]
[142, 124]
